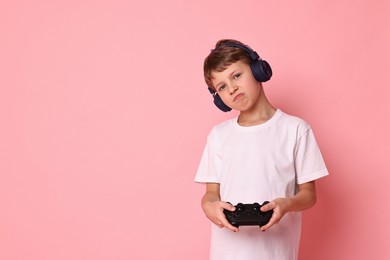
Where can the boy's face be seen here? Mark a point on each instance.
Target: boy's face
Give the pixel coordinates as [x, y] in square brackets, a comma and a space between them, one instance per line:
[237, 87]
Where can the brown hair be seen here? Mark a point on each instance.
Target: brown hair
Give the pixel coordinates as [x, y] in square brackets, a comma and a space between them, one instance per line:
[223, 56]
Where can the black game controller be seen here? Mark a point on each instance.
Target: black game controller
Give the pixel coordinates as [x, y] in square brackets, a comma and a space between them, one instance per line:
[248, 215]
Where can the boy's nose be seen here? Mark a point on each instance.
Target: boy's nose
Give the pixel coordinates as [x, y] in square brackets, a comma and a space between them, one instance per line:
[232, 88]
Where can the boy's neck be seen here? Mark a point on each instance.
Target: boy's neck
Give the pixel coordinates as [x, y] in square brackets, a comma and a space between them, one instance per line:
[263, 112]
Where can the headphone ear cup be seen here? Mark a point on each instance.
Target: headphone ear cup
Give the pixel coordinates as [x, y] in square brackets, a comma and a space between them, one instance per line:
[261, 70]
[219, 103]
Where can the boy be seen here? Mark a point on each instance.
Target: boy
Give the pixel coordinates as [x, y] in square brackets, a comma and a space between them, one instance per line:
[262, 155]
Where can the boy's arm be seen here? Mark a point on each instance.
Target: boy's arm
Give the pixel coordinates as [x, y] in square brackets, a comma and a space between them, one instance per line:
[213, 206]
[305, 198]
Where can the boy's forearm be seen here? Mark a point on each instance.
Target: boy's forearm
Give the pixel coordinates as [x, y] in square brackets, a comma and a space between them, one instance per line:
[209, 197]
[211, 194]
[305, 198]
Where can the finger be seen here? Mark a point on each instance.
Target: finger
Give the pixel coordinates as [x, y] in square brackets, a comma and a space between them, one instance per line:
[274, 220]
[268, 207]
[218, 224]
[228, 206]
[266, 227]
[223, 220]
[230, 226]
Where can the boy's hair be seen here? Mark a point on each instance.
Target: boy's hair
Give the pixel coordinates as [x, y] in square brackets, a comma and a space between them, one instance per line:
[221, 57]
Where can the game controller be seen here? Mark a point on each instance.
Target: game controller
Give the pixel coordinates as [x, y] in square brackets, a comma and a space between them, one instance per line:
[248, 215]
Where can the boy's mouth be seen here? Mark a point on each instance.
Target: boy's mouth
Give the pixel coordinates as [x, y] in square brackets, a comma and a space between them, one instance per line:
[237, 97]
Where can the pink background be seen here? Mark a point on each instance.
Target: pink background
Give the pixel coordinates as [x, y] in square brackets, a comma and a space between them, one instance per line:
[104, 115]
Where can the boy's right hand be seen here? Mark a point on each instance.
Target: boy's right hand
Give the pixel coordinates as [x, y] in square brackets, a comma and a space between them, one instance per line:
[214, 211]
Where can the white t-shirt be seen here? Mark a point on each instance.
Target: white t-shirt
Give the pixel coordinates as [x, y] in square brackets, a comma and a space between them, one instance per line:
[255, 164]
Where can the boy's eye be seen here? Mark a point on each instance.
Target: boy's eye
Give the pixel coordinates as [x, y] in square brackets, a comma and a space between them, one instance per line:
[236, 76]
[222, 87]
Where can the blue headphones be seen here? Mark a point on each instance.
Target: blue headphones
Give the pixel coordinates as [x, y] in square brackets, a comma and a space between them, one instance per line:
[261, 71]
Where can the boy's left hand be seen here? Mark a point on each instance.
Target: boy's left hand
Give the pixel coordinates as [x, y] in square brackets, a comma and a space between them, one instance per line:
[280, 206]
[304, 199]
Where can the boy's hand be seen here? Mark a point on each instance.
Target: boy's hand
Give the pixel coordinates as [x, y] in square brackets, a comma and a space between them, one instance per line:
[214, 211]
[304, 199]
[280, 206]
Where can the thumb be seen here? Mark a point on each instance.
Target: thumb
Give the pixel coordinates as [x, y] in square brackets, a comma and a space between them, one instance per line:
[267, 206]
[229, 206]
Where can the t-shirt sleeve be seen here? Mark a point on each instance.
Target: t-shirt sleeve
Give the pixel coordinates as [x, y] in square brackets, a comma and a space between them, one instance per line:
[209, 167]
[309, 163]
